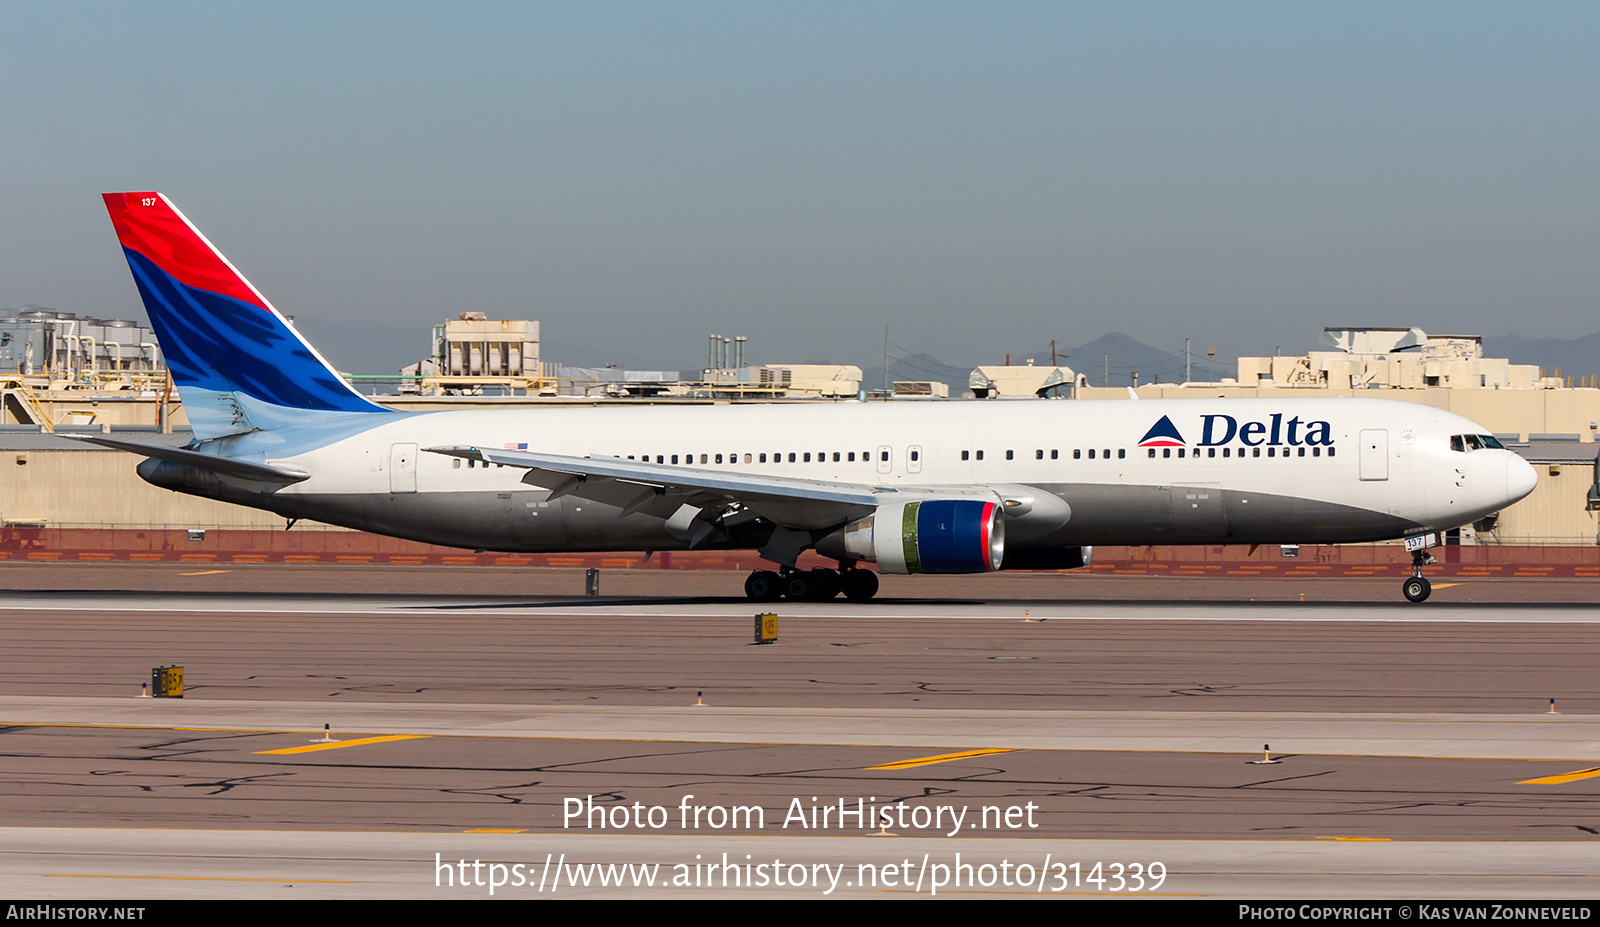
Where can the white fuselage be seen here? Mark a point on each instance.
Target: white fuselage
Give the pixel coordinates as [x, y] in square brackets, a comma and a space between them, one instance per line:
[1221, 471]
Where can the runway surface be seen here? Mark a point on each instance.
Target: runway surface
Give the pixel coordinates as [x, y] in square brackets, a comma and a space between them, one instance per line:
[1416, 755]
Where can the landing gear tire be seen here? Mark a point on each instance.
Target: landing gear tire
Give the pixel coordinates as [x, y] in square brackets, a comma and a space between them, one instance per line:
[827, 582]
[763, 586]
[859, 585]
[1417, 589]
[799, 586]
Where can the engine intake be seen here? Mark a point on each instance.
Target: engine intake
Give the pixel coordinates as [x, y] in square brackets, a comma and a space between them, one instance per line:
[929, 536]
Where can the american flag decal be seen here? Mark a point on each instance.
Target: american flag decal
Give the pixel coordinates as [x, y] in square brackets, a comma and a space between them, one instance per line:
[516, 447]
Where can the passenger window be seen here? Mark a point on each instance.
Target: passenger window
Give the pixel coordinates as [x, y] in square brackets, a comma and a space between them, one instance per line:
[916, 455]
[1091, 453]
[1255, 452]
[1302, 452]
[1165, 452]
[1316, 452]
[807, 457]
[1225, 452]
[1211, 452]
[1330, 452]
[791, 456]
[704, 460]
[1010, 455]
[1181, 450]
[1121, 453]
[455, 463]
[674, 458]
[852, 456]
[966, 455]
[1038, 454]
[1054, 454]
[885, 456]
[835, 456]
[1152, 452]
[980, 456]
[1077, 453]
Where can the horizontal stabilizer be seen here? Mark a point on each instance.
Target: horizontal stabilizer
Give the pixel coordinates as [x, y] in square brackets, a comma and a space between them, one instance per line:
[226, 466]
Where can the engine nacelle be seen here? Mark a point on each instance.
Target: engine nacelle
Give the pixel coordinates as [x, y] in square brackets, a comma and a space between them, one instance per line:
[929, 536]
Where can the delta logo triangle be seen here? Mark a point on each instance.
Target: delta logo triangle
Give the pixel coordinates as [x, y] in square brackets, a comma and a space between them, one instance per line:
[1162, 434]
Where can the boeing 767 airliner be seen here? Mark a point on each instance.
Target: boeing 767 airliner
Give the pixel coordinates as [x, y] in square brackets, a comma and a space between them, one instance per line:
[933, 487]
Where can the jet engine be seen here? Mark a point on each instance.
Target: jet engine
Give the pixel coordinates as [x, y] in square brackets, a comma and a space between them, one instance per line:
[925, 536]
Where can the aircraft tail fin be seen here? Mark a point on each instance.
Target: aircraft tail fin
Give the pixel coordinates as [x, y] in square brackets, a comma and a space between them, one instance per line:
[238, 364]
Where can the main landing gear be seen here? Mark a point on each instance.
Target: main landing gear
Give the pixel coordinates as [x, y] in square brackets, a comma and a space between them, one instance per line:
[816, 585]
[1417, 588]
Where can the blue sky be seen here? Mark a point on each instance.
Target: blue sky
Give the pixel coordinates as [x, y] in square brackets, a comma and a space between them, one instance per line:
[981, 179]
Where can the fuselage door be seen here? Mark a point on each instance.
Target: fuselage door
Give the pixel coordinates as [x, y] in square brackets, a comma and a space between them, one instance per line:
[1197, 511]
[885, 459]
[914, 459]
[403, 468]
[1374, 454]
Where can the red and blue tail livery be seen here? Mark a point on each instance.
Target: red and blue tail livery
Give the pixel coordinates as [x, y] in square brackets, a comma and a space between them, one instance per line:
[237, 363]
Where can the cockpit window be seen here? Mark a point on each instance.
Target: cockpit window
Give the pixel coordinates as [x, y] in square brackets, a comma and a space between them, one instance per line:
[1474, 443]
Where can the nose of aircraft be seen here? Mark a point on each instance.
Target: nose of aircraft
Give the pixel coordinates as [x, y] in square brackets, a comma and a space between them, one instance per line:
[1520, 478]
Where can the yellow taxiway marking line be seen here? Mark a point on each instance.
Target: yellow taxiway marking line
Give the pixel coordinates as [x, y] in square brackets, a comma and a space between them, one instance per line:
[1444, 585]
[1359, 839]
[941, 758]
[310, 748]
[1564, 778]
[205, 573]
[96, 875]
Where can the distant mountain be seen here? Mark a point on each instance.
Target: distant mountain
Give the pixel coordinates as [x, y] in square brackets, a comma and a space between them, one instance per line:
[1126, 356]
[1574, 357]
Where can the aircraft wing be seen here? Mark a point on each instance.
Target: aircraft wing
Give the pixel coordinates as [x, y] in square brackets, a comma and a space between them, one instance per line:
[640, 486]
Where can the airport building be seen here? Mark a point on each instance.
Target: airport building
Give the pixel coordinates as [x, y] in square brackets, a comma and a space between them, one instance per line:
[1518, 403]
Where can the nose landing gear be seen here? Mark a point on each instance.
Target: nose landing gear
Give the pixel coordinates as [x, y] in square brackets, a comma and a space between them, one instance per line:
[1417, 588]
